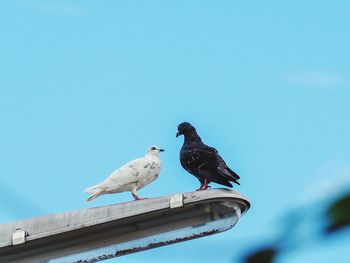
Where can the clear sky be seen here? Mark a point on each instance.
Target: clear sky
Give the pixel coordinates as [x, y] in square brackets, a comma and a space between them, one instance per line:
[87, 85]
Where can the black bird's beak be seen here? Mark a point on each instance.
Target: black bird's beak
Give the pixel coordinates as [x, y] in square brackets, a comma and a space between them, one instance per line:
[178, 134]
[161, 150]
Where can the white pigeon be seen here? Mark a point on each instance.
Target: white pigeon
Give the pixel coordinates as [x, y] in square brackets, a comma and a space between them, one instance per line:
[131, 177]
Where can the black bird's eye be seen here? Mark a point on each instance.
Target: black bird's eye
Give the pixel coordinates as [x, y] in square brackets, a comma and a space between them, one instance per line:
[153, 148]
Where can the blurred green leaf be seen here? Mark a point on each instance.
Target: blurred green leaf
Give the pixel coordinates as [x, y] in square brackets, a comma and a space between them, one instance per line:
[265, 255]
[338, 214]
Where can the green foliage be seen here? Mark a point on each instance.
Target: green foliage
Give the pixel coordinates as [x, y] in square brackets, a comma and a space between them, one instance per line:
[338, 218]
[265, 255]
[338, 214]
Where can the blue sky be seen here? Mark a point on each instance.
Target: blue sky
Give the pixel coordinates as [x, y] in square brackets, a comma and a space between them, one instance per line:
[86, 86]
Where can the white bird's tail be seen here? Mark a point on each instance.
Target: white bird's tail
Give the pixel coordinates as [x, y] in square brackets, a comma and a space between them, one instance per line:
[95, 191]
[92, 189]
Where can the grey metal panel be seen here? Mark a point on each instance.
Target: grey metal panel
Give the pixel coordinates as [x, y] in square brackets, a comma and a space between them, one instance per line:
[54, 234]
[218, 194]
[54, 224]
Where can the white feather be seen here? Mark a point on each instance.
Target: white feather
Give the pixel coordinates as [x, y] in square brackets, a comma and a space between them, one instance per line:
[131, 177]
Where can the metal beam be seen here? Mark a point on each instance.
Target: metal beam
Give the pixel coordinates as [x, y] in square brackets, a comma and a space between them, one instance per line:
[95, 234]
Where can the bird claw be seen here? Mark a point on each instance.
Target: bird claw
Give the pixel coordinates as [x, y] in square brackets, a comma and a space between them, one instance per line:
[200, 188]
[141, 199]
[137, 198]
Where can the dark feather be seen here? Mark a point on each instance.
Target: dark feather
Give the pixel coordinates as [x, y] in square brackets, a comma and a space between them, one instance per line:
[202, 161]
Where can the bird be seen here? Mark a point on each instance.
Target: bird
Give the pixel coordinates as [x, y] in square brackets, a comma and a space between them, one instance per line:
[203, 161]
[130, 177]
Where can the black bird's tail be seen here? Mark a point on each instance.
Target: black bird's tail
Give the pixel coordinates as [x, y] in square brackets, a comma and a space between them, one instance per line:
[233, 173]
[226, 172]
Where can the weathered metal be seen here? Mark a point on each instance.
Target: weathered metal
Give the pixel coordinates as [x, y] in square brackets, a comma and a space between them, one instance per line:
[95, 234]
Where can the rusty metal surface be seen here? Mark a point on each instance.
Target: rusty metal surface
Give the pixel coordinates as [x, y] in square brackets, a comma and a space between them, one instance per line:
[149, 246]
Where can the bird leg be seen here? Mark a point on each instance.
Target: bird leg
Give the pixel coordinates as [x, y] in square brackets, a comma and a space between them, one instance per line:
[136, 197]
[200, 188]
[205, 185]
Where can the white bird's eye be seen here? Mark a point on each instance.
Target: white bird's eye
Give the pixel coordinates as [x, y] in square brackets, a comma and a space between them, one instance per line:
[153, 148]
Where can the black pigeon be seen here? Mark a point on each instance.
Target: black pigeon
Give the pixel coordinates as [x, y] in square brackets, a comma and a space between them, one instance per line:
[202, 161]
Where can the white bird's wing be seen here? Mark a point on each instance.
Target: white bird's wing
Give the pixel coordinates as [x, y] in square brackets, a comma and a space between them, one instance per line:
[127, 174]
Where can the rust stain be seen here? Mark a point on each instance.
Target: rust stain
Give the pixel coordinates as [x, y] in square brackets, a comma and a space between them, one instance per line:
[150, 246]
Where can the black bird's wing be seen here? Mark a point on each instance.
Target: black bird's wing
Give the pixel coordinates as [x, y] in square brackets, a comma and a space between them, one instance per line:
[225, 170]
[204, 162]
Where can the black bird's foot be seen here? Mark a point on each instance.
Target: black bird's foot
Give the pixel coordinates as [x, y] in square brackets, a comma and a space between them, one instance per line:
[203, 186]
[200, 187]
